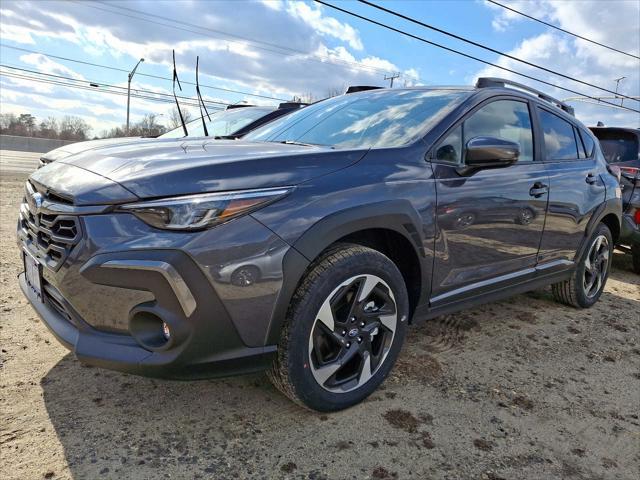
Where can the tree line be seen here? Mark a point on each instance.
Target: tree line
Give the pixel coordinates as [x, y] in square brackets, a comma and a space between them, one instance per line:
[26, 125]
[74, 128]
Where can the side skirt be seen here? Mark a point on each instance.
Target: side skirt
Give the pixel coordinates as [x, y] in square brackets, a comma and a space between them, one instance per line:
[541, 278]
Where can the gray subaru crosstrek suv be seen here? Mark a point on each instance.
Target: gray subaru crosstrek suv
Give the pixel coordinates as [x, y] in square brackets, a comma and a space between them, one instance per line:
[307, 247]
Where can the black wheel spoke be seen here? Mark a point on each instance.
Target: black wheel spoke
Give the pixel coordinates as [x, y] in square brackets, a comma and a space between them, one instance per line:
[352, 333]
[596, 266]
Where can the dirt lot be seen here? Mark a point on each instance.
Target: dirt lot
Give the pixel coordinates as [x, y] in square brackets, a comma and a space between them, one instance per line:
[517, 389]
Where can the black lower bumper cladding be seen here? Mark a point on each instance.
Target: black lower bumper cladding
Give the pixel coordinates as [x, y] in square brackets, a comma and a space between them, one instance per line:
[203, 341]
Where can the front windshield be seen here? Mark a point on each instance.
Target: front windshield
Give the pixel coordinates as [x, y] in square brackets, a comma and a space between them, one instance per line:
[363, 120]
[225, 122]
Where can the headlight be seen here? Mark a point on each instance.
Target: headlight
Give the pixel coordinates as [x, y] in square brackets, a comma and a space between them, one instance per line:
[197, 212]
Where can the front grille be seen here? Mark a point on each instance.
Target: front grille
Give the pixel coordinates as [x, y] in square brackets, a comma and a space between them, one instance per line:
[51, 235]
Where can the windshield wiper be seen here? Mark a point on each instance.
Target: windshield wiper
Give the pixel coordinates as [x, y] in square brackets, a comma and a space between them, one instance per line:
[226, 137]
[201, 103]
[293, 142]
[176, 79]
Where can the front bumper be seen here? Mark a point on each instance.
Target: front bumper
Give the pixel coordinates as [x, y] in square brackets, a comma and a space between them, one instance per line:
[198, 348]
[107, 300]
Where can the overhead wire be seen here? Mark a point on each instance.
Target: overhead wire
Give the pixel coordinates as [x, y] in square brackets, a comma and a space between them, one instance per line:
[140, 74]
[103, 84]
[562, 29]
[62, 83]
[490, 49]
[324, 59]
[458, 52]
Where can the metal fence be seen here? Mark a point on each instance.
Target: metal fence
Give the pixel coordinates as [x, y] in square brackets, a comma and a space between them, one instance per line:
[30, 144]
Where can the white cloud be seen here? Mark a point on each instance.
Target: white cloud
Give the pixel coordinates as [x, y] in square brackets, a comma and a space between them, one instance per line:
[336, 55]
[46, 65]
[616, 25]
[325, 25]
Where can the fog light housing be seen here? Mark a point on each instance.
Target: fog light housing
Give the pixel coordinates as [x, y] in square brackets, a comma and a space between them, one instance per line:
[165, 331]
[150, 330]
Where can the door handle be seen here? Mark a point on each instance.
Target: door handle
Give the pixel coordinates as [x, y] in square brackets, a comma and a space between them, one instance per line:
[538, 189]
[591, 179]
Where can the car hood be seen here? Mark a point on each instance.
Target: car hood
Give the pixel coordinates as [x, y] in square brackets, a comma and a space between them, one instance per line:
[73, 148]
[160, 169]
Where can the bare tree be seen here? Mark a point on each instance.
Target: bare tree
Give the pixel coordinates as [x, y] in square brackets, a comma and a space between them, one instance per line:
[74, 128]
[49, 128]
[147, 127]
[174, 117]
[25, 124]
[335, 91]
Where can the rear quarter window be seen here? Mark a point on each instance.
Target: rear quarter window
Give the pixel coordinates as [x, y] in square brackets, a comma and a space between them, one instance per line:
[588, 142]
[559, 139]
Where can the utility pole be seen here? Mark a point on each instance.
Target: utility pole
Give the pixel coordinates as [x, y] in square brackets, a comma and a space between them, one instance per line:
[618, 80]
[131, 74]
[392, 78]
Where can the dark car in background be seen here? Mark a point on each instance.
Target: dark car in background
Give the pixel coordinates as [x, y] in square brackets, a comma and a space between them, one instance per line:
[130, 250]
[233, 122]
[620, 146]
[621, 149]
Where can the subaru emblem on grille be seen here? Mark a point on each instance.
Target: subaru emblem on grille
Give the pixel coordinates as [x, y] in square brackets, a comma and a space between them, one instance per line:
[37, 200]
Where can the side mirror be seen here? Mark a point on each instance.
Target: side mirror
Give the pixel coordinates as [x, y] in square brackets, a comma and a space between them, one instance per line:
[489, 152]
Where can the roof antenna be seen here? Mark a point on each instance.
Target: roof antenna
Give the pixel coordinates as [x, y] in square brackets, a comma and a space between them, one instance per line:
[176, 79]
[201, 105]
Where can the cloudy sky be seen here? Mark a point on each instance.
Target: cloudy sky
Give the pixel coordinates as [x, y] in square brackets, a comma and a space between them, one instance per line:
[263, 51]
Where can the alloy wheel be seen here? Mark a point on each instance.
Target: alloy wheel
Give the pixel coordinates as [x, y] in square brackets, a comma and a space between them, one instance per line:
[525, 217]
[352, 334]
[596, 266]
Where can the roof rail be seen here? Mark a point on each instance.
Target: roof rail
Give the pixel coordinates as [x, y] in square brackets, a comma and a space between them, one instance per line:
[292, 105]
[360, 88]
[486, 82]
[238, 105]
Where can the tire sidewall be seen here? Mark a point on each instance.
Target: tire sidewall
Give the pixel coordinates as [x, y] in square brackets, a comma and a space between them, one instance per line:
[307, 389]
[583, 299]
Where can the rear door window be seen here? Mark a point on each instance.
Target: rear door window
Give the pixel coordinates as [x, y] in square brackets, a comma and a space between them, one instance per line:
[559, 139]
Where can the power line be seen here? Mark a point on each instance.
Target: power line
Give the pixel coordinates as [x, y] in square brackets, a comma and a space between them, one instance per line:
[429, 42]
[102, 84]
[562, 29]
[256, 43]
[108, 67]
[594, 102]
[493, 50]
[88, 88]
[80, 87]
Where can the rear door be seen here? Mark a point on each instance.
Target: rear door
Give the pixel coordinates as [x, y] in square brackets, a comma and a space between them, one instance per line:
[490, 222]
[575, 186]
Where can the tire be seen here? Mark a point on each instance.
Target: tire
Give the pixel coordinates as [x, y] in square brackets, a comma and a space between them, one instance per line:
[579, 291]
[245, 276]
[525, 216]
[335, 285]
[465, 220]
[635, 257]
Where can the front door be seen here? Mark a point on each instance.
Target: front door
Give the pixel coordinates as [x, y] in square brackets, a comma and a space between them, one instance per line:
[490, 222]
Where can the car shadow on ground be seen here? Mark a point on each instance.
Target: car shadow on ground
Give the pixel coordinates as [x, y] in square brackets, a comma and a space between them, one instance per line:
[126, 426]
[113, 425]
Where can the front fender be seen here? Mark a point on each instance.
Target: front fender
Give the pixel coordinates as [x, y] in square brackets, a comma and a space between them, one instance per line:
[396, 215]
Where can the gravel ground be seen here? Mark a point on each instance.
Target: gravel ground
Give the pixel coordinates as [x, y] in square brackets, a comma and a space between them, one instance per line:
[523, 388]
